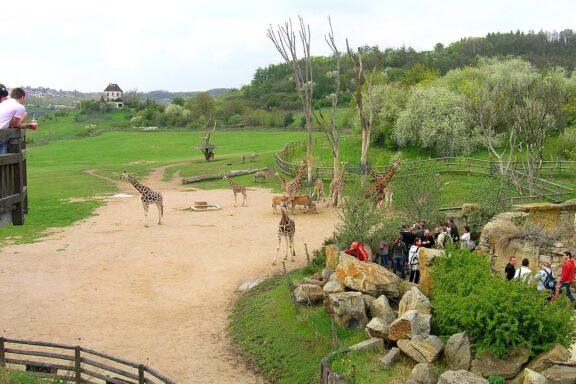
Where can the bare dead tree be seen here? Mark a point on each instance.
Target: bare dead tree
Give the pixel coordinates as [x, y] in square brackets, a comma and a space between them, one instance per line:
[329, 128]
[207, 131]
[365, 113]
[285, 42]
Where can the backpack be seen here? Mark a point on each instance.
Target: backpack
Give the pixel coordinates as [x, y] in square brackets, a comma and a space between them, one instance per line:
[414, 262]
[549, 282]
[471, 245]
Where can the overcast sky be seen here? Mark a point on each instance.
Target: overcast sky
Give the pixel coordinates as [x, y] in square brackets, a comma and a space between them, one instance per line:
[186, 45]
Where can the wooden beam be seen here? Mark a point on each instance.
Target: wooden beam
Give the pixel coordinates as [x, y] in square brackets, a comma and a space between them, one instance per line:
[194, 179]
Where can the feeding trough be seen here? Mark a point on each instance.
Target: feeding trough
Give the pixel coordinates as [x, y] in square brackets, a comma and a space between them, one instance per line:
[204, 206]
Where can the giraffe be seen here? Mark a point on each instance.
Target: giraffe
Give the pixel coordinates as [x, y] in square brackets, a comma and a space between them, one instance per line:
[237, 188]
[318, 189]
[293, 187]
[380, 189]
[283, 181]
[253, 156]
[148, 197]
[286, 229]
[336, 186]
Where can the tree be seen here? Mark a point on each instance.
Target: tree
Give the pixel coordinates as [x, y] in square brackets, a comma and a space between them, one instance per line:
[437, 119]
[417, 197]
[202, 105]
[284, 40]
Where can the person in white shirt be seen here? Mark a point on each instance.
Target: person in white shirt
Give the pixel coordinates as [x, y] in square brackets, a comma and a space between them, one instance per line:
[542, 274]
[523, 273]
[13, 113]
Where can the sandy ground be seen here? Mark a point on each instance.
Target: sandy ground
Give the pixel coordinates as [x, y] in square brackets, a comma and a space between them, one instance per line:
[159, 295]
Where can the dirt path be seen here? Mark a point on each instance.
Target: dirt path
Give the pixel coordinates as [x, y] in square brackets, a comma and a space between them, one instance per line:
[159, 295]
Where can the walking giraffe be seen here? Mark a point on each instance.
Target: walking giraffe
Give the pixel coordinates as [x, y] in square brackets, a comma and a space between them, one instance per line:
[337, 185]
[286, 229]
[237, 188]
[148, 197]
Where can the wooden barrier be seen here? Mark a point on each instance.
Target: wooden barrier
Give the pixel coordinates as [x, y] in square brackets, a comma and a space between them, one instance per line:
[74, 364]
[13, 178]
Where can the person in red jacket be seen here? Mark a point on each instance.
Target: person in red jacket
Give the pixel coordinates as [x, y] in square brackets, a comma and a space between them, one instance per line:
[358, 251]
[567, 275]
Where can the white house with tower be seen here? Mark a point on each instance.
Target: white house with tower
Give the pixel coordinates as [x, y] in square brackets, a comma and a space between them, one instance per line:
[113, 94]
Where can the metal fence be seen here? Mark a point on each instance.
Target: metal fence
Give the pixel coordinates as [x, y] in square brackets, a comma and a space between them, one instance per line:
[74, 364]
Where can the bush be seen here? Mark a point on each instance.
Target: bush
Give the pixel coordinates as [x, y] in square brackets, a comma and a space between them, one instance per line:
[497, 314]
[567, 144]
[493, 195]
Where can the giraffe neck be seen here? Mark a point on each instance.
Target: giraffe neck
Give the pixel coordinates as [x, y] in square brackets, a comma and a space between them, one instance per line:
[139, 187]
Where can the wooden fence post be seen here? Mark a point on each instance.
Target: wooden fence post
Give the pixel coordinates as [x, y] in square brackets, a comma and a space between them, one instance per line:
[77, 369]
[2, 353]
[290, 288]
[307, 255]
[141, 374]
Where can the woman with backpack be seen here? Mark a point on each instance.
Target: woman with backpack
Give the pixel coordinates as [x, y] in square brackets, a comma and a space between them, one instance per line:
[414, 262]
[544, 277]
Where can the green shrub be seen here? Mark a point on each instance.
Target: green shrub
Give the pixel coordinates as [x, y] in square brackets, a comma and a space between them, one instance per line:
[497, 314]
[494, 196]
[567, 144]
[496, 380]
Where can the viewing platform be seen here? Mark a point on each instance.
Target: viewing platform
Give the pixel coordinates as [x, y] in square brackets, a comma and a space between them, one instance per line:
[13, 178]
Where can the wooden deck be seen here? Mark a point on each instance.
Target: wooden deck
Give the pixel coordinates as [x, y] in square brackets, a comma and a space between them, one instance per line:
[13, 179]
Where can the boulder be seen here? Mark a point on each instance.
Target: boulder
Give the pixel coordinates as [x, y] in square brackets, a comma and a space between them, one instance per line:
[458, 352]
[348, 309]
[460, 377]
[414, 300]
[486, 364]
[540, 362]
[560, 374]
[391, 358]
[326, 273]
[427, 257]
[422, 350]
[333, 287]
[378, 328]
[380, 307]
[368, 300]
[332, 253]
[423, 373]
[532, 377]
[309, 294]
[308, 280]
[367, 277]
[409, 325]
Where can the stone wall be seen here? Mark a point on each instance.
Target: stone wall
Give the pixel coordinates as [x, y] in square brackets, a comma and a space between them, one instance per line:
[501, 236]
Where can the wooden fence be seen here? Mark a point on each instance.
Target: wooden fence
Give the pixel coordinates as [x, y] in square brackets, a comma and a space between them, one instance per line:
[13, 178]
[74, 364]
[327, 376]
[543, 189]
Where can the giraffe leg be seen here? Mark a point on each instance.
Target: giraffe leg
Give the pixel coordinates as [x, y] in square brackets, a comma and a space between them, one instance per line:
[145, 205]
[291, 241]
[160, 212]
[235, 201]
[287, 246]
[244, 197]
[277, 249]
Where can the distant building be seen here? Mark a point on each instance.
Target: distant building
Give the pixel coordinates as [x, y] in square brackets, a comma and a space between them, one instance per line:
[113, 95]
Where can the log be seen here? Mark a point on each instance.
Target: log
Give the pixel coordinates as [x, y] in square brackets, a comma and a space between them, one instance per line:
[194, 179]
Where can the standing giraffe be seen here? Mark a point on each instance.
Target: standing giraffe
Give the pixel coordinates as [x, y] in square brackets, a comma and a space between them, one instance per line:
[286, 229]
[283, 181]
[237, 188]
[380, 189]
[337, 185]
[293, 187]
[318, 189]
[148, 197]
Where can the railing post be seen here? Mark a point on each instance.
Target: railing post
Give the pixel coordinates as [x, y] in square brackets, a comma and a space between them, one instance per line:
[2, 353]
[141, 374]
[77, 369]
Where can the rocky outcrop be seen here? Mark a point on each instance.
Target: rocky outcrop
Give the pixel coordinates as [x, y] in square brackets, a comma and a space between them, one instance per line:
[414, 300]
[332, 253]
[423, 373]
[309, 294]
[458, 352]
[378, 328]
[333, 287]
[560, 374]
[367, 277]
[381, 308]
[409, 325]
[542, 361]
[460, 377]
[486, 364]
[422, 350]
[348, 309]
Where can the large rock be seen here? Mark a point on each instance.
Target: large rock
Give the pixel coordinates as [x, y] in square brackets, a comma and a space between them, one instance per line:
[391, 357]
[308, 280]
[460, 377]
[371, 344]
[422, 350]
[486, 364]
[532, 377]
[326, 273]
[414, 300]
[381, 308]
[423, 373]
[458, 352]
[333, 287]
[560, 374]
[367, 277]
[378, 328]
[309, 294]
[410, 324]
[348, 309]
[540, 362]
[427, 257]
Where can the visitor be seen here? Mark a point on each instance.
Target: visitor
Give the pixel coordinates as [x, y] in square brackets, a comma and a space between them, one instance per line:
[510, 268]
[414, 261]
[523, 273]
[13, 113]
[543, 272]
[397, 250]
[453, 230]
[466, 239]
[567, 275]
[427, 239]
[358, 251]
[383, 252]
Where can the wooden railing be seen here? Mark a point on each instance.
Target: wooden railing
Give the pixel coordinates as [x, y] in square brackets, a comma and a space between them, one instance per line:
[542, 188]
[13, 178]
[327, 376]
[74, 364]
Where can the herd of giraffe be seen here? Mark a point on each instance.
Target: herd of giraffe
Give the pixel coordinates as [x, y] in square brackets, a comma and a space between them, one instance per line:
[380, 191]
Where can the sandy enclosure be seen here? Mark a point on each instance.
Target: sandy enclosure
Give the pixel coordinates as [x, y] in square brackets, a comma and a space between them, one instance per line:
[159, 295]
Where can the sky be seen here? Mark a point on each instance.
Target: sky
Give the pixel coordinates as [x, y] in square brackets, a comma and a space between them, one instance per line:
[190, 45]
